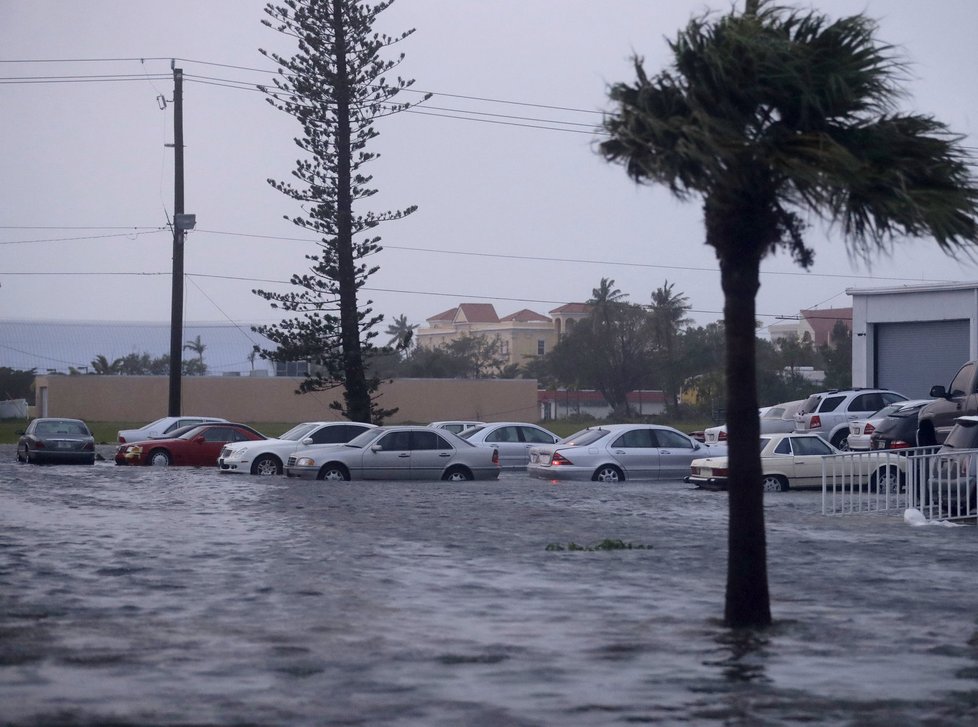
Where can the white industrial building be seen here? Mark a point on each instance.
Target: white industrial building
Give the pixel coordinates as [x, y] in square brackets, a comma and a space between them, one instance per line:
[909, 338]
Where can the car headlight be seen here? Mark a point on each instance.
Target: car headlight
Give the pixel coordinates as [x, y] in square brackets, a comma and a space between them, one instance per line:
[305, 462]
[135, 451]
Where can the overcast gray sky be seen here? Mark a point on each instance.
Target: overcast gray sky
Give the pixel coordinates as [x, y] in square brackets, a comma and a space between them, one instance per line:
[516, 208]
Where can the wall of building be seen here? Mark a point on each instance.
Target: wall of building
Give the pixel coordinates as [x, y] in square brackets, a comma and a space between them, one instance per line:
[272, 399]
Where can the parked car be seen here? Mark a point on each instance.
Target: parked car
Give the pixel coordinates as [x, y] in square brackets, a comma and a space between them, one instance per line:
[618, 452]
[829, 413]
[397, 453]
[861, 430]
[455, 426]
[196, 446]
[776, 418]
[960, 398]
[512, 439]
[788, 460]
[56, 441]
[163, 427]
[268, 456]
[952, 484]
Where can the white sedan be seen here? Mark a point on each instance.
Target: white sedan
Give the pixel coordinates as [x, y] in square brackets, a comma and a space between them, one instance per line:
[787, 461]
[267, 456]
[616, 452]
[776, 418]
[513, 440]
[162, 427]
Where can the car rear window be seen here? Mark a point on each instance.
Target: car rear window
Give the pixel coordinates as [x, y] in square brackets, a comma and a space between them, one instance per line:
[585, 436]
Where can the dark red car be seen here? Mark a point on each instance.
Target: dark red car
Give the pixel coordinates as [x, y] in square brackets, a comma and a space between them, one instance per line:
[191, 447]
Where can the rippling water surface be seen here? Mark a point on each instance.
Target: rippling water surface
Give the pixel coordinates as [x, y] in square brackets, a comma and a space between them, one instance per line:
[183, 596]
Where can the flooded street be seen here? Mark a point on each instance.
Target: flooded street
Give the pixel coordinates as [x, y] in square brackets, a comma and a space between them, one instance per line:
[182, 596]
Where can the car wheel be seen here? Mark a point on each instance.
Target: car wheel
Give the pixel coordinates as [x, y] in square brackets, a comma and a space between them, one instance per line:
[887, 479]
[28, 457]
[20, 457]
[841, 441]
[608, 473]
[774, 483]
[266, 464]
[159, 458]
[334, 472]
[458, 474]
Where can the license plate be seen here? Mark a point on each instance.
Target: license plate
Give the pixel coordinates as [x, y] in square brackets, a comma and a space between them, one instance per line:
[64, 445]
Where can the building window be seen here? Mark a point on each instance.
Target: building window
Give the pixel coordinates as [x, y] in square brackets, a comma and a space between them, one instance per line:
[541, 347]
[504, 347]
[291, 368]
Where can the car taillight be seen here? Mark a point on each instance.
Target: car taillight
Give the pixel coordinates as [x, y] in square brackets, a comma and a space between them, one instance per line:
[869, 428]
[815, 422]
[122, 440]
[899, 444]
[89, 446]
[557, 459]
[495, 456]
[722, 437]
[720, 472]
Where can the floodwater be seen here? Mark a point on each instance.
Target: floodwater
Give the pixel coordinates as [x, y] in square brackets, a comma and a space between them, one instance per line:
[186, 597]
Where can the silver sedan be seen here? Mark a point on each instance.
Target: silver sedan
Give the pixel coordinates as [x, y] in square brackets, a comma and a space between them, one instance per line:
[617, 452]
[513, 440]
[396, 453]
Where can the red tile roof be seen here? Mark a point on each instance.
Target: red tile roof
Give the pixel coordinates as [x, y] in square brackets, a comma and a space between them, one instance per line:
[476, 313]
[525, 316]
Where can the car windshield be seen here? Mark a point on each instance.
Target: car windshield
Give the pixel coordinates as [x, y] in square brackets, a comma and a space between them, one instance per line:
[964, 435]
[764, 441]
[887, 410]
[363, 439]
[187, 432]
[298, 432]
[774, 412]
[585, 437]
[468, 433]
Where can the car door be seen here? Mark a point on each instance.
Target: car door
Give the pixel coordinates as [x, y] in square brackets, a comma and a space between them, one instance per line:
[807, 454]
[430, 454]
[675, 454]
[637, 453]
[513, 452]
[388, 458]
[204, 449]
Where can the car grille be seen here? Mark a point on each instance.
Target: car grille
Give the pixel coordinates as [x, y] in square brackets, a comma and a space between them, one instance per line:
[290, 462]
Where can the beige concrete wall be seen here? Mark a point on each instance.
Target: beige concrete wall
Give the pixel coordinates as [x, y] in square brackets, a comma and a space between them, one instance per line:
[272, 399]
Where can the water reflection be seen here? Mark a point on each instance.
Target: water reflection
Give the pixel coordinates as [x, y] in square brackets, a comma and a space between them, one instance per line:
[742, 653]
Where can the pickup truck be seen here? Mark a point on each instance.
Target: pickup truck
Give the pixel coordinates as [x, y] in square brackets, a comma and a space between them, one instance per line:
[959, 399]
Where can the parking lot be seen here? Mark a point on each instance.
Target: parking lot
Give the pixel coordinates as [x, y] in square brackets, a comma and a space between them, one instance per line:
[172, 596]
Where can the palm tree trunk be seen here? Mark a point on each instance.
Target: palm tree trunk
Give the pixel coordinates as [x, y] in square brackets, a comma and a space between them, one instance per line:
[747, 598]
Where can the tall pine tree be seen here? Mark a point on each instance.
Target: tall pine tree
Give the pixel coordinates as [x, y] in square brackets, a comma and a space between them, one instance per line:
[335, 86]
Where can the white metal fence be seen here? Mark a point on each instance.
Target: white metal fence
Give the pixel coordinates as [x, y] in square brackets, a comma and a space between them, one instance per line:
[940, 486]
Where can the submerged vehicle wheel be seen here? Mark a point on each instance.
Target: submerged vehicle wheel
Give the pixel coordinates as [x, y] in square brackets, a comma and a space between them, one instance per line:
[841, 441]
[887, 479]
[334, 472]
[458, 474]
[774, 483]
[265, 465]
[608, 473]
[159, 458]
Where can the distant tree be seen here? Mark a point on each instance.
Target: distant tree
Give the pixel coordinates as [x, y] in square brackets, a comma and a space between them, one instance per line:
[401, 333]
[336, 85]
[768, 114]
[17, 383]
[197, 347]
[667, 318]
[837, 357]
[101, 365]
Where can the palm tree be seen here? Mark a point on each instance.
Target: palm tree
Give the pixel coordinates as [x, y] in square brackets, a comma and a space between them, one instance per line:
[767, 114]
[401, 333]
[603, 300]
[667, 317]
[197, 347]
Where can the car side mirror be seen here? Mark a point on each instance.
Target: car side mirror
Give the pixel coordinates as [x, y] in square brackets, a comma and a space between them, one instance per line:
[938, 392]
[199, 439]
[308, 440]
[376, 448]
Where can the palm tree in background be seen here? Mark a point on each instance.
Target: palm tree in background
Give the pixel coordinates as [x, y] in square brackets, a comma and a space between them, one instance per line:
[401, 333]
[197, 346]
[766, 114]
[667, 317]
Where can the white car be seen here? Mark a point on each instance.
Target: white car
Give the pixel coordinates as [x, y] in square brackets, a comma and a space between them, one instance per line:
[456, 426]
[787, 460]
[861, 430]
[268, 456]
[512, 439]
[774, 419]
[161, 428]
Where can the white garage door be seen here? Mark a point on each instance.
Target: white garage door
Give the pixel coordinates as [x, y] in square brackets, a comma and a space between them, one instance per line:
[912, 357]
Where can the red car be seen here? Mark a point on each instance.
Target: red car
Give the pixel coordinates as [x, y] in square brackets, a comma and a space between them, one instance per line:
[197, 446]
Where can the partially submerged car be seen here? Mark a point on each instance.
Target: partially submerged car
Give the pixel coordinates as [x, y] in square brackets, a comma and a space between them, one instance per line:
[775, 418]
[197, 446]
[618, 452]
[162, 427]
[788, 460]
[397, 453]
[268, 456]
[56, 441]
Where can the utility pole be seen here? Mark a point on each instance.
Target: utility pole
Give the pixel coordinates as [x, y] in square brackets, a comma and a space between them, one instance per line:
[176, 304]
